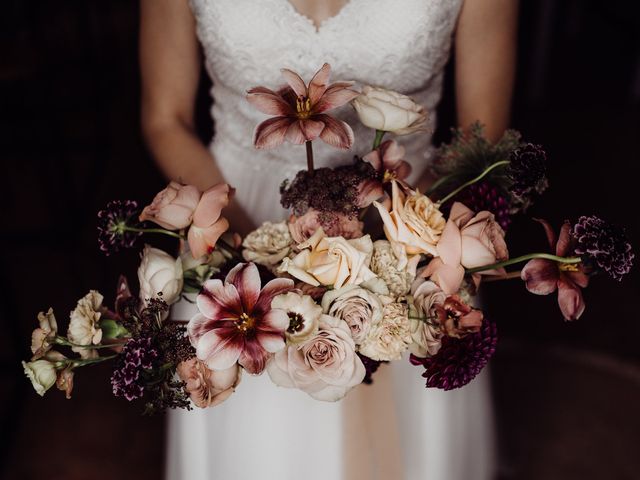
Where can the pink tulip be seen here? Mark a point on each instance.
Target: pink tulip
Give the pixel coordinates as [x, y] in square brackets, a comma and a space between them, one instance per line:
[542, 276]
[299, 111]
[388, 161]
[173, 207]
[208, 224]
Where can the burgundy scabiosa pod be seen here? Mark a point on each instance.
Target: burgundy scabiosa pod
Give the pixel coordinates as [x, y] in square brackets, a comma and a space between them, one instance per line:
[115, 224]
[527, 170]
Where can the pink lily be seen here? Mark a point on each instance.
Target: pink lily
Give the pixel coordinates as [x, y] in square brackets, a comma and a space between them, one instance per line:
[543, 276]
[208, 224]
[236, 322]
[299, 111]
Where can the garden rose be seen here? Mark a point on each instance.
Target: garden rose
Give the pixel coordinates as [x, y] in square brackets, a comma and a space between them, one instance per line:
[303, 227]
[173, 207]
[208, 388]
[208, 224]
[414, 223]
[326, 366]
[159, 273]
[42, 336]
[331, 261]
[389, 111]
[304, 315]
[389, 337]
[84, 327]
[357, 306]
[268, 244]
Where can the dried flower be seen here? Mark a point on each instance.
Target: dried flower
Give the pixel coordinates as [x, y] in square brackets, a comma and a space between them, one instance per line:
[114, 222]
[605, 244]
[333, 224]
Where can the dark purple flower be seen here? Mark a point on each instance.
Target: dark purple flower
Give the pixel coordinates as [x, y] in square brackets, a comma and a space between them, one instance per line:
[459, 360]
[138, 354]
[605, 244]
[527, 170]
[112, 226]
[371, 366]
[484, 196]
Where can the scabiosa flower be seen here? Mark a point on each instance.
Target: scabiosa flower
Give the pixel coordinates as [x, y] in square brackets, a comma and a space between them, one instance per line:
[528, 170]
[138, 354]
[484, 196]
[605, 244]
[113, 221]
[459, 360]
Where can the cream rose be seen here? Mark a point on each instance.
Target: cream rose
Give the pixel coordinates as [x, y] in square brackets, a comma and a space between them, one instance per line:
[208, 388]
[42, 336]
[390, 337]
[331, 261]
[84, 324]
[414, 223]
[389, 111]
[357, 306]
[268, 245]
[159, 273]
[304, 315]
[326, 366]
[397, 275]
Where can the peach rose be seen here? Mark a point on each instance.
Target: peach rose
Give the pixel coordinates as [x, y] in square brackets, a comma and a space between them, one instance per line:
[208, 224]
[303, 227]
[414, 223]
[173, 207]
[331, 261]
[208, 388]
[326, 366]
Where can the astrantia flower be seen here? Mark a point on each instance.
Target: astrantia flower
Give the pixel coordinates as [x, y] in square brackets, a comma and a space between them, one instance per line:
[236, 322]
[542, 276]
[605, 244]
[300, 111]
[112, 226]
[137, 355]
[527, 170]
[459, 360]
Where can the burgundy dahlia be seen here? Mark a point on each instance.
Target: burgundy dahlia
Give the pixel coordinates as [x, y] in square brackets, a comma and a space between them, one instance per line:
[484, 196]
[138, 354]
[528, 170]
[113, 221]
[459, 360]
[605, 244]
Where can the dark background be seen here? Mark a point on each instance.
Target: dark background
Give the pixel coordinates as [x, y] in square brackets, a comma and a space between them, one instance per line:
[566, 394]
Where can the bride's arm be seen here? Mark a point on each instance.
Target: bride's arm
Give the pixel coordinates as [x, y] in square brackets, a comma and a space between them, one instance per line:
[170, 71]
[485, 55]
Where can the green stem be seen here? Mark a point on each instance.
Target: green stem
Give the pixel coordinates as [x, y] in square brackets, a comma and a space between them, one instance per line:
[309, 145]
[64, 341]
[90, 361]
[472, 181]
[127, 228]
[435, 185]
[524, 258]
[378, 140]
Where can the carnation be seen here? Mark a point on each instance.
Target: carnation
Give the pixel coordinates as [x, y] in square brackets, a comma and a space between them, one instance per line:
[385, 264]
[389, 338]
[268, 244]
[84, 328]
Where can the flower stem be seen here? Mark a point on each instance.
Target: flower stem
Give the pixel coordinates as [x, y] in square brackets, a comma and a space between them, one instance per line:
[90, 361]
[524, 258]
[309, 145]
[378, 140]
[508, 276]
[473, 180]
[67, 343]
[154, 230]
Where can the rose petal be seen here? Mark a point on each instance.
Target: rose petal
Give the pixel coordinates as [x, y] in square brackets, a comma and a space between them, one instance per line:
[269, 102]
[203, 240]
[246, 278]
[271, 133]
[211, 204]
[540, 276]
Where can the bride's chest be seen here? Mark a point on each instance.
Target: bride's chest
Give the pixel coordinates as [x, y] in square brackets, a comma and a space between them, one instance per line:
[396, 43]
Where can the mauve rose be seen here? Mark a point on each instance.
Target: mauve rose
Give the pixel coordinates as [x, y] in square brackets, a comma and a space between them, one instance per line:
[173, 207]
[426, 333]
[303, 227]
[208, 388]
[326, 366]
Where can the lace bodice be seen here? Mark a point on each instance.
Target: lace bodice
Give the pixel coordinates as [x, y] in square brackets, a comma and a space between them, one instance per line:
[398, 44]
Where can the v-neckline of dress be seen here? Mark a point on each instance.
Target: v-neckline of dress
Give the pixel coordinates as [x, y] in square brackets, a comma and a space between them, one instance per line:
[319, 27]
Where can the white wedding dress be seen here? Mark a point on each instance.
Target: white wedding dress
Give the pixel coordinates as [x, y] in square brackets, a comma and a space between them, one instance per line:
[395, 429]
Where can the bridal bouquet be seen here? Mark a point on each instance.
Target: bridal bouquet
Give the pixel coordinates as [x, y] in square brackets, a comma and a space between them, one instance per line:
[319, 301]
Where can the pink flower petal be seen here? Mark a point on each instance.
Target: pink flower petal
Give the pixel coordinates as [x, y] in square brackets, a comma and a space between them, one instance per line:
[336, 132]
[254, 358]
[564, 239]
[269, 102]
[374, 159]
[579, 278]
[246, 278]
[540, 276]
[447, 277]
[219, 301]
[220, 348]
[211, 204]
[295, 82]
[303, 130]
[274, 321]
[570, 299]
[450, 244]
[392, 153]
[203, 240]
[460, 214]
[270, 133]
[272, 289]
[337, 94]
[318, 84]
[475, 253]
[270, 341]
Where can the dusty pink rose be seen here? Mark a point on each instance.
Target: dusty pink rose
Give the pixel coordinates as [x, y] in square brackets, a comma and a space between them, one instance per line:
[468, 241]
[326, 366]
[208, 388]
[300, 111]
[388, 161]
[543, 277]
[173, 207]
[208, 224]
[340, 225]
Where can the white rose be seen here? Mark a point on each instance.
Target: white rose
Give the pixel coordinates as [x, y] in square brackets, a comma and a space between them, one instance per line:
[389, 111]
[304, 315]
[159, 272]
[84, 328]
[268, 245]
[331, 261]
[42, 374]
[389, 338]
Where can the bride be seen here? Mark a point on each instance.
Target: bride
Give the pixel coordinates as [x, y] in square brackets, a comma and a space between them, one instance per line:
[394, 429]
